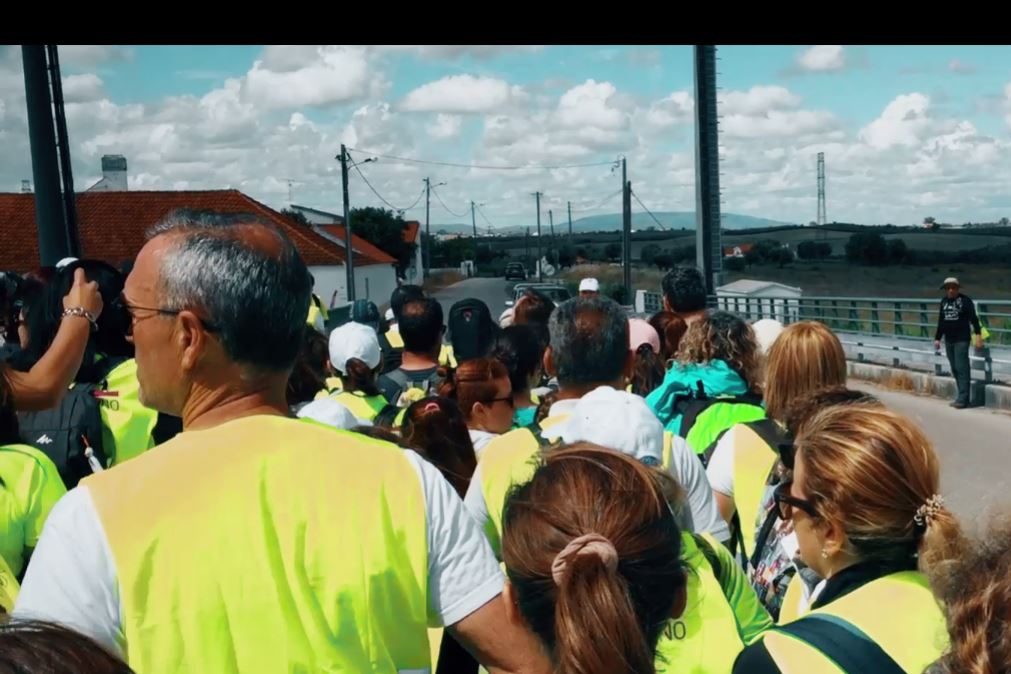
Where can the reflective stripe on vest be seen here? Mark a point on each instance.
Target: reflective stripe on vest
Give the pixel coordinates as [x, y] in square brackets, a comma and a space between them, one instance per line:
[362, 406]
[898, 612]
[753, 461]
[705, 639]
[446, 356]
[508, 460]
[262, 545]
[394, 338]
[126, 424]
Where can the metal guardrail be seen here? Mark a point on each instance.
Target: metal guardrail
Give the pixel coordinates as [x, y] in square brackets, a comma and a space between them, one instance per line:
[912, 319]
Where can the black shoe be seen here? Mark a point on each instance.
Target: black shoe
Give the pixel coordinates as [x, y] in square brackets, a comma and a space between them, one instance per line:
[958, 405]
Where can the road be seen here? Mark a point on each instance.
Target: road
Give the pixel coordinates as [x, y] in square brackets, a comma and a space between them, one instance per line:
[973, 444]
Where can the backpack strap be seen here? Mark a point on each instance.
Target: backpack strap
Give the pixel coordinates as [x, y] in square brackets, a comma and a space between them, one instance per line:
[843, 643]
[709, 553]
[538, 432]
[770, 432]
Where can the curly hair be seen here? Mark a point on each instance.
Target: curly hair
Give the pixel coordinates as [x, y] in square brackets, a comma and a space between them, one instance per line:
[975, 590]
[721, 335]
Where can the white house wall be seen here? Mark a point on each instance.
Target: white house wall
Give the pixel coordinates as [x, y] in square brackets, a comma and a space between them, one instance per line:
[375, 282]
[329, 279]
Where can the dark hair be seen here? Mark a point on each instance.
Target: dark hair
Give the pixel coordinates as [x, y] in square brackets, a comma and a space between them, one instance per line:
[805, 407]
[519, 348]
[684, 288]
[377, 433]
[402, 295]
[589, 341]
[421, 325]
[594, 618]
[671, 329]
[256, 293]
[44, 315]
[37, 647]
[647, 370]
[533, 308]
[308, 376]
[359, 378]
[435, 428]
[9, 433]
[473, 382]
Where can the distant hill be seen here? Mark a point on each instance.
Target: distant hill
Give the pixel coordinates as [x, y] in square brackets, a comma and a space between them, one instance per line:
[611, 222]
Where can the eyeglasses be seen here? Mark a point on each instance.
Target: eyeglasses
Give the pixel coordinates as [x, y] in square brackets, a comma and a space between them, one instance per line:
[121, 304]
[508, 400]
[785, 503]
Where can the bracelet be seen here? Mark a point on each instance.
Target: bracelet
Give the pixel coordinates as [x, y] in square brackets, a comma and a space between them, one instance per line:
[83, 313]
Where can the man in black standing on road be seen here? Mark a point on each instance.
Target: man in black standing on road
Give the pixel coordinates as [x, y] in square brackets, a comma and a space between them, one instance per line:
[957, 312]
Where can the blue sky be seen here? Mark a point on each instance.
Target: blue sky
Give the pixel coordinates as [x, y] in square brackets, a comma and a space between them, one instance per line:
[908, 131]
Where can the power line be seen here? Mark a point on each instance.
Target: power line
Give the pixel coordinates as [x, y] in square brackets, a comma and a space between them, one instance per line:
[602, 202]
[483, 166]
[479, 210]
[380, 196]
[647, 210]
[455, 215]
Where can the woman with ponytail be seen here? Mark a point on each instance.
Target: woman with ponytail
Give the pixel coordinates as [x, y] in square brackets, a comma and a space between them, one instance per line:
[355, 355]
[647, 366]
[435, 428]
[671, 328]
[483, 391]
[869, 518]
[593, 559]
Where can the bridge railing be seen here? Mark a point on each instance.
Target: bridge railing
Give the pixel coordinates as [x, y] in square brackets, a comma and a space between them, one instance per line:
[906, 326]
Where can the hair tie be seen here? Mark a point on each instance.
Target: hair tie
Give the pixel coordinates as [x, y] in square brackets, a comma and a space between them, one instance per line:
[587, 544]
[929, 511]
[431, 406]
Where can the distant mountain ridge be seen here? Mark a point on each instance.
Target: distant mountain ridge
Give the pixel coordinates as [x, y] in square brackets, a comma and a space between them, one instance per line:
[611, 222]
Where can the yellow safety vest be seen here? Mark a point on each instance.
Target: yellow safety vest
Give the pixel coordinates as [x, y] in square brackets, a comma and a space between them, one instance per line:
[705, 639]
[753, 461]
[898, 612]
[31, 487]
[791, 609]
[126, 423]
[262, 545]
[333, 385]
[394, 338]
[9, 587]
[446, 356]
[362, 406]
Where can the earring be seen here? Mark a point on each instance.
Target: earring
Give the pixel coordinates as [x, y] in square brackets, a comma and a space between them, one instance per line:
[824, 555]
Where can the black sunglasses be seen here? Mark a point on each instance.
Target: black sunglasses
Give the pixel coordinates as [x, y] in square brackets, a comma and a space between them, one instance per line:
[785, 503]
[120, 304]
[507, 400]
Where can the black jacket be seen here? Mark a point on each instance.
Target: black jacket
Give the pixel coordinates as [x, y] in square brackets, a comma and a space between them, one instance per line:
[954, 318]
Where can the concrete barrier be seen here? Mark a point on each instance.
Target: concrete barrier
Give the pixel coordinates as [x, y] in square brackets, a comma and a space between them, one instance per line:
[981, 394]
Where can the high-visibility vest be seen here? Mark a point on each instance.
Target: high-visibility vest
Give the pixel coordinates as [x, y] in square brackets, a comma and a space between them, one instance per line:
[262, 545]
[753, 461]
[331, 386]
[362, 406]
[899, 614]
[394, 338]
[31, 486]
[127, 424]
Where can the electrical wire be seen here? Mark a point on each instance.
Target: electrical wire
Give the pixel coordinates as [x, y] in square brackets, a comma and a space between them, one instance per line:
[483, 166]
[380, 196]
[455, 215]
[595, 207]
[647, 210]
[479, 210]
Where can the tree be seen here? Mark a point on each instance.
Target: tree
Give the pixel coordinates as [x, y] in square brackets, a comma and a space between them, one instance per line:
[664, 261]
[612, 251]
[897, 251]
[823, 250]
[385, 229]
[566, 257]
[296, 216]
[484, 254]
[807, 250]
[649, 253]
[869, 248]
[734, 264]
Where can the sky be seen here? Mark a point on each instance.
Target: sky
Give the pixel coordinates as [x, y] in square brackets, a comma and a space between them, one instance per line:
[907, 131]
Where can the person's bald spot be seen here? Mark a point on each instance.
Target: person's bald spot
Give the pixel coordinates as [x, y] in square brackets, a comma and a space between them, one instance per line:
[588, 320]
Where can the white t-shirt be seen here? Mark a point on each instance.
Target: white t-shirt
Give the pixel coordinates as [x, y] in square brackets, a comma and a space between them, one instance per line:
[480, 439]
[72, 575]
[720, 470]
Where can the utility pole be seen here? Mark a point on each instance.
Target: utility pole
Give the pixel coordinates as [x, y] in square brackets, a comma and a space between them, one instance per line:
[626, 229]
[349, 254]
[709, 254]
[553, 247]
[540, 272]
[473, 224]
[426, 244]
[570, 229]
[526, 246]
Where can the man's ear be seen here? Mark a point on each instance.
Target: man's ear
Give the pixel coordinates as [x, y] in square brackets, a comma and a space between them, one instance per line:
[191, 338]
[549, 362]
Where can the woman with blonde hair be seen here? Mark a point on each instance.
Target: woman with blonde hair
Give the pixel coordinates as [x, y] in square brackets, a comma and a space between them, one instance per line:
[866, 507]
[807, 356]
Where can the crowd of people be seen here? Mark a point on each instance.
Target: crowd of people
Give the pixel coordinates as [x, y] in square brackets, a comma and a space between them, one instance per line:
[200, 476]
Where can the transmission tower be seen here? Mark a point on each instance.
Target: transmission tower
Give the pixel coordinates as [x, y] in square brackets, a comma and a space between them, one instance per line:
[821, 188]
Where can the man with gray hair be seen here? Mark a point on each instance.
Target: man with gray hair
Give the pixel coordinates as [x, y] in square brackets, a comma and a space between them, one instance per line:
[588, 354]
[252, 541]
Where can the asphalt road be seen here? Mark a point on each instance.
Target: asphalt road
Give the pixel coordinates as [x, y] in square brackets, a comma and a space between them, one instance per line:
[974, 445]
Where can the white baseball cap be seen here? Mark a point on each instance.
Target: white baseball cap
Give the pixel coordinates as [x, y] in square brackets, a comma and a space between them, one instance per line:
[354, 340]
[617, 420]
[65, 262]
[589, 285]
[766, 332]
[330, 412]
[389, 314]
[951, 280]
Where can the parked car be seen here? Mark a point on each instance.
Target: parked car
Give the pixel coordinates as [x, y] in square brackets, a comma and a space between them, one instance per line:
[515, 271]
[554, 292]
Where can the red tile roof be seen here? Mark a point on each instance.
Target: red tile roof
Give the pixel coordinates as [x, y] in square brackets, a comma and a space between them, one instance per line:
[411, 232]
[111, 225]
[374, 254]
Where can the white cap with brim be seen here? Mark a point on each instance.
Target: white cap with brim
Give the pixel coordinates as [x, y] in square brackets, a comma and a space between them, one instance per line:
[389, 314]
[66, 262]
[330, 412]
[617, 420]
[767, 330]
[354, 340]
[950, 281]
[589, 285]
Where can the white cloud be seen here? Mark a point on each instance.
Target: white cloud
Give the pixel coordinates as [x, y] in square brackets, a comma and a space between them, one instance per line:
[455, 51]
[902, 122]
[961, 68]
[82, 88]
[462, 94]
[591, 104]
[445, 126]
[89, 56]
[757, 100]
[672, 110]
[317, 76]
[1007, 104]
[822, 58]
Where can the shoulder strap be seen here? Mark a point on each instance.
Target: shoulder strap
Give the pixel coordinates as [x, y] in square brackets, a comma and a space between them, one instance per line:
[538, 432]
[710, 554]
[843, 643]
[769, 431]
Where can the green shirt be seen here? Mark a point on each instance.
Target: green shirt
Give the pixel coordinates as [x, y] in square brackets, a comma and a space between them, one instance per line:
[31, 487]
